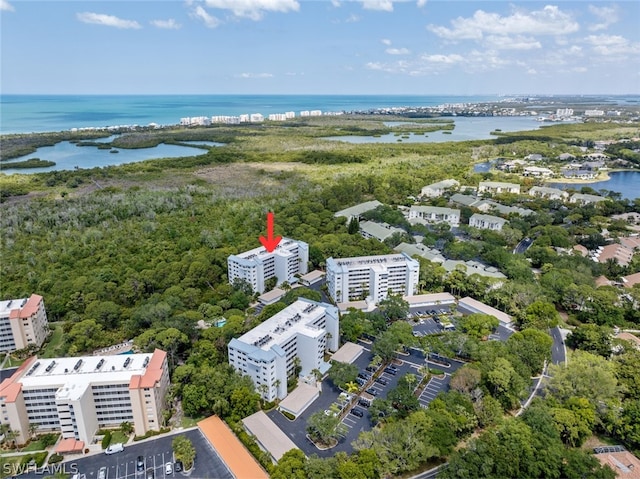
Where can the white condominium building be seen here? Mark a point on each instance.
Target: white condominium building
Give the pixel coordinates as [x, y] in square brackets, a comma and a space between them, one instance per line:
[434, 215]
[497, 187]
[77, 396]
[23, 322]
[258, 265]
[487, 222]
[304, 330]
[438, 189]
[372, 276]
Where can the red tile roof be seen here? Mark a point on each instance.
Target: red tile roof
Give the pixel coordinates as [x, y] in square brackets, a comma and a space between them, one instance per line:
[152, 374]
[69, 445]
[631, 280]
[29, 308]
[10, 387]
[241, 463]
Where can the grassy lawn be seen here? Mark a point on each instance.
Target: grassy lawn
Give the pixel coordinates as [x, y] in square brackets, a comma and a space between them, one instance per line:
[8, 465]
[13, 362]
[51, 349]
[191, 422]
[118, 436]
[34, 446]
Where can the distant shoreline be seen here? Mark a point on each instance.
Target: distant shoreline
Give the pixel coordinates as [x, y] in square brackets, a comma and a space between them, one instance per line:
[602, 176]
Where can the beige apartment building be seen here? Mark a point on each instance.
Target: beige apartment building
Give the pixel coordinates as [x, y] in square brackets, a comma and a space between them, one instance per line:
[77, 396]
[23, 322]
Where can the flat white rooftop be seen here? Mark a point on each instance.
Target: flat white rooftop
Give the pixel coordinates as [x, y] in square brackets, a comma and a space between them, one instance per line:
[269, 434]
[295, 318]
[373, 260]
[73, 375]
[9, 305]
[260, 252]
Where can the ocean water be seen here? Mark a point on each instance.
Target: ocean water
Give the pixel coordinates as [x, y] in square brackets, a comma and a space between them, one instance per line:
[41, 113]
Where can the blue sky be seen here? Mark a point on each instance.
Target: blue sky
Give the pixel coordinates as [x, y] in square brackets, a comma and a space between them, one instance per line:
[321, 47]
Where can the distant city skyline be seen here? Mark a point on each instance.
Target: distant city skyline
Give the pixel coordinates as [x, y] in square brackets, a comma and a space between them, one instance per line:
[350, 47]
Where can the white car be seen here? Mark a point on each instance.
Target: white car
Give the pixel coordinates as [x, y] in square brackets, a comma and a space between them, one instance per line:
[168, 468]
[114, 448]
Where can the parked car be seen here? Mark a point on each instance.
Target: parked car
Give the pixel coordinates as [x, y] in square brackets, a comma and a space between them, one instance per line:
[140, 464]
[168, 468]
[372, 391]
[114, 448]
[361, 381]
[364, 376]
[177, 466]
[102, 473]
[150, 474]
[371, 369]
[383, 381]
[363, 402]
[390, 370]
[357, 412]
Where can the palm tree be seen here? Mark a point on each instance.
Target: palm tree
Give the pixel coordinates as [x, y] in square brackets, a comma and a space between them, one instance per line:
[33, 427]
[11, 437]
[352, 387]
[318, 375]
[263, 389]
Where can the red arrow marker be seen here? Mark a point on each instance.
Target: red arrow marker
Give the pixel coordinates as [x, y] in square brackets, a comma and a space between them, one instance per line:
[270, 242]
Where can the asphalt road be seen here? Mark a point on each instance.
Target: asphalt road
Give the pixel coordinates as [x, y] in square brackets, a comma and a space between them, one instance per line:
[558, 351]
[523, 246]
[156, 453]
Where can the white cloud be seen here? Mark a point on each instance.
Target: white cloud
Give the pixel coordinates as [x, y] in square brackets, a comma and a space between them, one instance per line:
[612, 46]
[353, 18]
[200, 13]
[421, 3]
[437, 63]
[254, 9]
[107, 20]
[579, 69]
[255, 75]
[374, 66]
[6, 6]
[170, 24]
[607, 16]
[380, 5]
[443, 59]
[519, 42]
[397, 51]
[548, 21]
[386, 41]
[335, 3]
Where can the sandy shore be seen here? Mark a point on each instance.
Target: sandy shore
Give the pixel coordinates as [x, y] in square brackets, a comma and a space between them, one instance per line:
[602, 176]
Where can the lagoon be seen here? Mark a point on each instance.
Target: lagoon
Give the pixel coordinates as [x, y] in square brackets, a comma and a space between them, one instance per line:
[466, 128]
[68, 156]
[627, 183]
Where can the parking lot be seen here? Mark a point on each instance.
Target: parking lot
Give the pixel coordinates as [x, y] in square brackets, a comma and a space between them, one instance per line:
[426, 326]
[156, 453]
[434, 387]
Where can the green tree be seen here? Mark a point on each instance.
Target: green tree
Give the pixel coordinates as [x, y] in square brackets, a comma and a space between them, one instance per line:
[354, 226]
[540, 315]
[393, 307]
[342, 373]
[591, 338]
[325, 428]
[478, 325]
[184, 451]
[291, 465]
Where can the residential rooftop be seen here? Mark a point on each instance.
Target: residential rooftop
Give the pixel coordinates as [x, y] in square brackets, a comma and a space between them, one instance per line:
[295, 318]
[358, 209]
